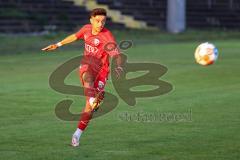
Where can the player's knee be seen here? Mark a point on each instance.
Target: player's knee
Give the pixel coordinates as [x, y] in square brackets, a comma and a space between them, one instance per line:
[87, 78]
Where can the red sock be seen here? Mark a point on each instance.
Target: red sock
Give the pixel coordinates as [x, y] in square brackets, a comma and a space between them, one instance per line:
[89, 92]
[84, 120]
[85, 117]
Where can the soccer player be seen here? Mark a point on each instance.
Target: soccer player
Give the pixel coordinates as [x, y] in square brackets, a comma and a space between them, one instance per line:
[94, 68]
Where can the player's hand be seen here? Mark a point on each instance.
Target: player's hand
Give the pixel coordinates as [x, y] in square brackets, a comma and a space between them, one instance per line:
[118, 72]
[50, 47]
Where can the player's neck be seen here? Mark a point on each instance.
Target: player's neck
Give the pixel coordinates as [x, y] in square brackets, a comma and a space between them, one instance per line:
[95, 32]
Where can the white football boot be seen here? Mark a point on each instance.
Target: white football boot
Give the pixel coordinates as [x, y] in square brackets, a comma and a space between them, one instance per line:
[75, 141]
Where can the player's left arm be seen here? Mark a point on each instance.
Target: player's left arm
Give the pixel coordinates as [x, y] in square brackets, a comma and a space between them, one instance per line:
[119, 68]
[114, 52]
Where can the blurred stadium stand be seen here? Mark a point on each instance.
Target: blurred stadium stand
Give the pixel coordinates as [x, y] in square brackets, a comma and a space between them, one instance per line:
[213, 14]
[41, 15]
[152, 11]
[21, 16]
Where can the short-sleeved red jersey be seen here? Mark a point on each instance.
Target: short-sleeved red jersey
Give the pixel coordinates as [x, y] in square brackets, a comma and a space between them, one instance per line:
[98, 48]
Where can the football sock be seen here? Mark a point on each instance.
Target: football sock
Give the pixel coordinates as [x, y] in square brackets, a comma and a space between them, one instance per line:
[84, 120]
[89, 92]
[78, 133]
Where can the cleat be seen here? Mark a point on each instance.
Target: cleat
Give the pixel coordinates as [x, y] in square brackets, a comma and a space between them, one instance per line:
[75, 141]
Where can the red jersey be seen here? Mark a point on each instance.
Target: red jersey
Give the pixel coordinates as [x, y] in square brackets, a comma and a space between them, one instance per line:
[98, 47]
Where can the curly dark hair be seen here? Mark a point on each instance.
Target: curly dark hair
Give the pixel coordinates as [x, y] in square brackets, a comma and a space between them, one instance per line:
[98, 11]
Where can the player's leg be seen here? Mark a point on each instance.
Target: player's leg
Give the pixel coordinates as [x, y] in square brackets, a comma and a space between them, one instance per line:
[86, 115]
[99, 85]
[94, 85]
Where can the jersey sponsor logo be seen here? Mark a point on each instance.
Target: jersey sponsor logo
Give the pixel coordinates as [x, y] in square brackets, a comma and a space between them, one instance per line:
[90, 48]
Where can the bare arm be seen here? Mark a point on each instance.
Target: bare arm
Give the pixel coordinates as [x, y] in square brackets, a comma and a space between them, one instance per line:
[118, 68]
[67, 40]
[118, 60]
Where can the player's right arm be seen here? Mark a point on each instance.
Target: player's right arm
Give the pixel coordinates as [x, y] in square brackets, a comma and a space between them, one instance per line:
[67, 40]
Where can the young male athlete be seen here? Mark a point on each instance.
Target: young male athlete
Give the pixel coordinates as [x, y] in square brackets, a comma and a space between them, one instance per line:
[94, 67]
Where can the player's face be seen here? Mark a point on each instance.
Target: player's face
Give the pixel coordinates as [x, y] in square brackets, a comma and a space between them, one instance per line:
[98, 23]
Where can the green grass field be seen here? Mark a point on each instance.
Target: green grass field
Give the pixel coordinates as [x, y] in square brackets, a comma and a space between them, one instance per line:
[30, 129]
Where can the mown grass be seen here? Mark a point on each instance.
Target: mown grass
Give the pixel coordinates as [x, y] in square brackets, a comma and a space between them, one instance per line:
[30, 129]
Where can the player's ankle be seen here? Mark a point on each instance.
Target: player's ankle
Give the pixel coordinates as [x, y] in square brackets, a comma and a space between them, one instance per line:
[78, 133]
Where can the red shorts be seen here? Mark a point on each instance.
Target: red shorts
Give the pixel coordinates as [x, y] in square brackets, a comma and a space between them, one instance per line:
[100, 76]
